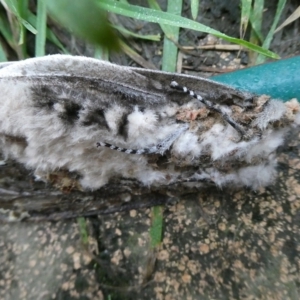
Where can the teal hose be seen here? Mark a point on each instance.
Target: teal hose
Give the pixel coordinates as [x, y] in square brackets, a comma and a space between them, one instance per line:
[280, 79]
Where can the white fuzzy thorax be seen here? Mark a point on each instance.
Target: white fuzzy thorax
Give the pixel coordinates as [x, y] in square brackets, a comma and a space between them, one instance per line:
[53, 111]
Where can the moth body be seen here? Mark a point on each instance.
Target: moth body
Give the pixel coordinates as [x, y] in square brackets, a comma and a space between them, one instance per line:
[55, 109]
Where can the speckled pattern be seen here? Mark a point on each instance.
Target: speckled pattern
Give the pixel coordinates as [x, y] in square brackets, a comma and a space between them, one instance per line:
[44, 261]
[217, 244]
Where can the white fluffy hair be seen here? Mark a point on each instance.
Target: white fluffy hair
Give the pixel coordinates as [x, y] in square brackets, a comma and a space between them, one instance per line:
[54, 109]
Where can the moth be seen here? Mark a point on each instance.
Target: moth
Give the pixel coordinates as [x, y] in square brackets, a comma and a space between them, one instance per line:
[105, 122]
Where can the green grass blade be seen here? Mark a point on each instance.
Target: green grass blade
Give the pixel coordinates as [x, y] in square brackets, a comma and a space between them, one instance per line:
[49, 33]
[256, 18]
[22, 9]
[2, 54]
[101, 53]
[13, 7]
[195, 8]
[52, 38]
[256, 36]
[294, 16]
[17, 9]
[169, 58]
[269, 37]
[165, 28]
[135, 56]
[279, 10]
[83, 230]
[245, 16]
[5, 30]
[150, 37]
[155, 16]
[41, 25]
[170, 51]
[156, 226]
[28, 26]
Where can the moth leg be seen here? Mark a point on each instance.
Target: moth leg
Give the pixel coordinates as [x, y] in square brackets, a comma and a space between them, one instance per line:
[215, 107]
[159, 148]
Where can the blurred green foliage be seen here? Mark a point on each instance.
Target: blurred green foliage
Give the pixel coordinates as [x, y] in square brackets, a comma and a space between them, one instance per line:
[85, 19]
[88, 20]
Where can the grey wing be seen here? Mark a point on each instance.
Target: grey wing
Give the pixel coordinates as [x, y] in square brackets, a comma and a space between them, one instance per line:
[208, 89]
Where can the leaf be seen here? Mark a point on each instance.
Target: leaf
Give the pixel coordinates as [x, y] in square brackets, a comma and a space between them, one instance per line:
[294, 16]
[195, 8]
[170, 51]
[41, 25]
[156, 225]
[256, 19]
[50, 35]
[11, 5]
[165, 28]
[245, 16]
[269, 37]
[83, 230]
[2, 54]
[152, 37]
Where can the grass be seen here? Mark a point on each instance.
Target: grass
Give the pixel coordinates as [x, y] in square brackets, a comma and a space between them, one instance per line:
[77, 15]
[156, 228]
[83, 231]
[41, 24]
[270, 35]
[16, 20]
[171, 34]
[165, 18]
[253, 14]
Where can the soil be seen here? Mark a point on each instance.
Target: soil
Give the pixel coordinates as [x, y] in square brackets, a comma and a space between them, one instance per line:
[217, 244]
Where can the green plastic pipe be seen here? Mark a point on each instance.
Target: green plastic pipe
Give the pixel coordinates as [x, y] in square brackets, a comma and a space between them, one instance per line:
[280, 79]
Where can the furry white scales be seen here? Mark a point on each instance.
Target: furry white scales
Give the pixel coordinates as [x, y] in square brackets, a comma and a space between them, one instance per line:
[56, 110]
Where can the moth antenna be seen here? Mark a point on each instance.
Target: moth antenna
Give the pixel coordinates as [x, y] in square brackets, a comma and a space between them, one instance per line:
[159, 148]
[211, 106]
